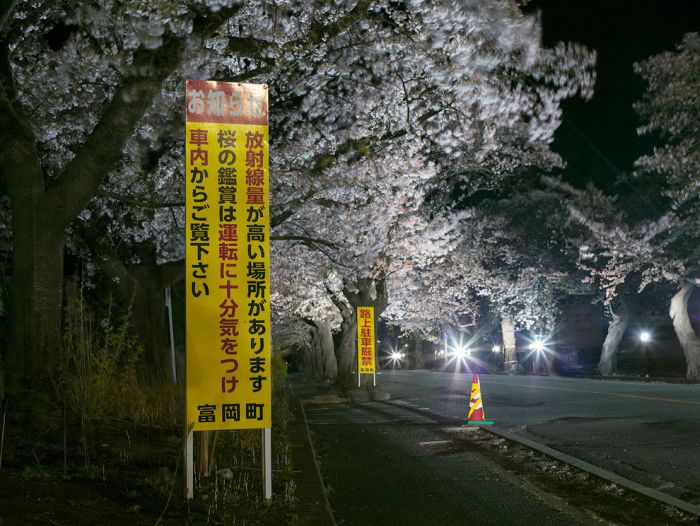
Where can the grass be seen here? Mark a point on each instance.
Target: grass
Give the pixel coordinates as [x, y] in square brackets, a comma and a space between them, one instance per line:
[105, 449]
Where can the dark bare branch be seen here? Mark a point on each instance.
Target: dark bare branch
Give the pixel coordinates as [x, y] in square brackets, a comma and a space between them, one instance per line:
[305, 240]
[139, 201]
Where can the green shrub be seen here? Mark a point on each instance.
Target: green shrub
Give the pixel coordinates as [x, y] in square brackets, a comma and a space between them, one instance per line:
[97, 373]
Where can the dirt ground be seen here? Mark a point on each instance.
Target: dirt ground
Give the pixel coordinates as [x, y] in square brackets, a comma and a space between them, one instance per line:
[128, 474]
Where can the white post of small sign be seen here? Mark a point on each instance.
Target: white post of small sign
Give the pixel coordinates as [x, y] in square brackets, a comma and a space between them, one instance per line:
[358, 375]
[374, 378]
[169, 305]
[267, 461]
[189, 465]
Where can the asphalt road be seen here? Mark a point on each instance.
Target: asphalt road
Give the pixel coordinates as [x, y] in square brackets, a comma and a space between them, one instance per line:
[648, 432]
[388, 465]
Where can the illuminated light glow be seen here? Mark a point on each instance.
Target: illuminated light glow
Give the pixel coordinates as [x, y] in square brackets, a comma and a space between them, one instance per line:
[496, 348]
[645, 337]
[396, 356]
[537, 345]
[462, 352]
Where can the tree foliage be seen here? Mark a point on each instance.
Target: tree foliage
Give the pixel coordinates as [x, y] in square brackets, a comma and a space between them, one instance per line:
[376, 105]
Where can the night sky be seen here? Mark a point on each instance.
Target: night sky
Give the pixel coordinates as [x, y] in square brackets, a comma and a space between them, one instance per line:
[598, 139]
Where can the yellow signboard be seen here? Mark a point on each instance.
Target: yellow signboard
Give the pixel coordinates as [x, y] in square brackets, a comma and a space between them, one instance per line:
[365, 340]
[229, 368]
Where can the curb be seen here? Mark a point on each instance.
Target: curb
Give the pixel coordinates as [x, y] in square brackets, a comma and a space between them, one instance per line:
[642, 379]
[688, 507]
[612, 378]
[329, 511]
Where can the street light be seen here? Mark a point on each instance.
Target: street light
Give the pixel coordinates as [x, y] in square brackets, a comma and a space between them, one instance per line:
[537, 345]
[645, 336]
[496, 348]
[396, 357]
[462, 352]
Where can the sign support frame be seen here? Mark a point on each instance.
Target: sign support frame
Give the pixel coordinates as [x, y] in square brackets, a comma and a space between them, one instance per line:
[169, 305]
[267, 463]
[189, 465]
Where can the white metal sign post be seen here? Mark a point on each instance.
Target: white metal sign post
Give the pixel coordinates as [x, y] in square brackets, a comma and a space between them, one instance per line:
[169, 305]
[189, 465]
[267, 462]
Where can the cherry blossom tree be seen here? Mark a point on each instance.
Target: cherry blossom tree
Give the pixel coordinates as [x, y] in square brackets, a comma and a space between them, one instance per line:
[633, 243]
[87, 87]
[625, 253]
[62, 132]
[461, 121]
[670, 109]
[526, 248]
[304, 315]
[457, 96]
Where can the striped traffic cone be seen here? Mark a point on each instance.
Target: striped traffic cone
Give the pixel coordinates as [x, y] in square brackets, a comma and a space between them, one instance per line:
[475, 417]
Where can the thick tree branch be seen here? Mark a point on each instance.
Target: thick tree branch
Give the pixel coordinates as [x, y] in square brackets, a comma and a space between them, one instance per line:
[18, 154]
[352, 297]
[343, 307]
[82, 176]
[280, 218]
[305, 240]
[139, 202]
[6, 16]
[319, 32]
[253, 47]
[249, 46]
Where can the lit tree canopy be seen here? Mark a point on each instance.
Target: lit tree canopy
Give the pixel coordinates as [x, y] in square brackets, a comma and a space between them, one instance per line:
[670, 109]
[659, 245]
[424, 96]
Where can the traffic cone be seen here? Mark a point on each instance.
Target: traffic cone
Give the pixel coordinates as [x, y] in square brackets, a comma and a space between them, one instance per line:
[475, 416]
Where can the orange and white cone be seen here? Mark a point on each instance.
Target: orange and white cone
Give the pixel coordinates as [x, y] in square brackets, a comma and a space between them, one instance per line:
[476, 405]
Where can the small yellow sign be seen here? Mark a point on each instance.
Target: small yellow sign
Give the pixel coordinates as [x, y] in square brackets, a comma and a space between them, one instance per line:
[365, 340]
[229, 370]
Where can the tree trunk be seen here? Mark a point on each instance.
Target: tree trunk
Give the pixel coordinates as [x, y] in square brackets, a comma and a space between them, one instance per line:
[508, 334]
[311, 361]
[320, 361]
[616, 330]
[684, 329]
[417, 359]
[328, 365]
[148, 319]
[347, 351]
[306, 365]
[142, 288]
[365, 292]
[35, 299]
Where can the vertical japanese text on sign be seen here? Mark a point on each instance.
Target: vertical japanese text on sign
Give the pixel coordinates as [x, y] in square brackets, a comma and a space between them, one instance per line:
[227, 256]
[365, 340]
